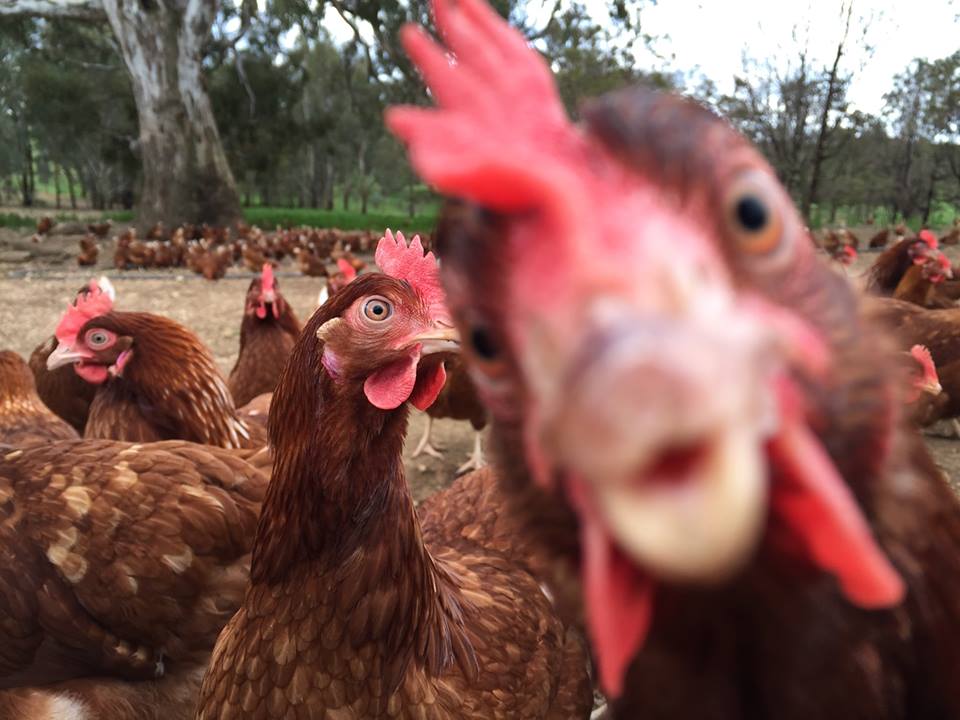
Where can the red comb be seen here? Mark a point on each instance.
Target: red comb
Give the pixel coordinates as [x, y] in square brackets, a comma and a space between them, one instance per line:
[348, 270]
[398, 260]
[88, 306]
[929, 238]
[922, 355]
[266, 278]
[500, 136]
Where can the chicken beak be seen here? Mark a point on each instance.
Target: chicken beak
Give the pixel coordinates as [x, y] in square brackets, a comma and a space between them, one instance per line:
[65, 355]
[441, 338]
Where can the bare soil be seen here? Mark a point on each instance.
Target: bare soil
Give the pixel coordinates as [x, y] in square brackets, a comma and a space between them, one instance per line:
[35, 292]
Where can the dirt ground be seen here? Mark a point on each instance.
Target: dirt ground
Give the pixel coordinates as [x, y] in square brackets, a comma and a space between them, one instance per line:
[35, 293]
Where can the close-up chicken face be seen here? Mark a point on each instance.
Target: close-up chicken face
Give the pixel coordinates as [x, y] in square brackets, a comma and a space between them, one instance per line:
[389, 338]
[99, 352]
[646, 315]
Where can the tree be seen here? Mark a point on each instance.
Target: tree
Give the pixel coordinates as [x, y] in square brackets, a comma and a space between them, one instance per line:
[185, 174]
[835, 90]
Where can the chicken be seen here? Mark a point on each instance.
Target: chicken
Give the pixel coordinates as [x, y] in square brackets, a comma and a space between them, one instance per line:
[760, 534]
[89, 251]
[913, 270]
[253, 257]
[345, 274]
[458, 400]
[155, 379]
[268, 332]
[120, 563]
[23, 416]
[844, 255]
[62, 390]
[926, 401]
[100, 230]
[44, 225]
[310, 264]
[349, 612]
[213, 263]
[937, 330]
[880, 239]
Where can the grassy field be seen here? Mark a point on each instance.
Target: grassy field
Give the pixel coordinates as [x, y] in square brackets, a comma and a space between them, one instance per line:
[393, 215]
[264, 217]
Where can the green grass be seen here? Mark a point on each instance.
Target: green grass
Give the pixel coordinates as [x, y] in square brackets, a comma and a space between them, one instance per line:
[270, 218]
[13, 220]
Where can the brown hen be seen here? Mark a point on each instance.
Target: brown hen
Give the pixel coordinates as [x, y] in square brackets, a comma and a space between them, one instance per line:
[121, 563]
[23, 416]
[62, 390]
[155, 379]
[267, 333]
[350, 613]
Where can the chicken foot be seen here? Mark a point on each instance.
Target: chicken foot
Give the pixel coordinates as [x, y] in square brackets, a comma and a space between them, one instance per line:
[424, 445]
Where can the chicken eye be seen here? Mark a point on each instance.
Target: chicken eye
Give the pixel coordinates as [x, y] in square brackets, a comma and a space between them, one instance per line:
[483, 344]
[377, 309]
[97, 338]
[754, 219]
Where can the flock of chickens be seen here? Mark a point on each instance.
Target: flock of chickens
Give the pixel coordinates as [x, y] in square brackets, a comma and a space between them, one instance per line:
[210, 250]
[708, 497]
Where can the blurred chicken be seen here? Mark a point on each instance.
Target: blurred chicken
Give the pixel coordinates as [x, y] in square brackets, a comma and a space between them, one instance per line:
[268, 331]
[914, 271]
[44, 225]
[23, 416]
[100, 230]
[759, 534]
[310, 264]
[89, 251]
[213, 264]
[880, 239]
[345, 274]
[926, 401]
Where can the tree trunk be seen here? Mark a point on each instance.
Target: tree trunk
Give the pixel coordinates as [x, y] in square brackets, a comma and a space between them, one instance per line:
[56, 183]
[70, 189]
[186, 177]
[810, 196]
[330, 177]
[927, 206]
[26, 175]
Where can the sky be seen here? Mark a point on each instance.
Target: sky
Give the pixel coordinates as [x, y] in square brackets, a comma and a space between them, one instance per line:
[711, 36]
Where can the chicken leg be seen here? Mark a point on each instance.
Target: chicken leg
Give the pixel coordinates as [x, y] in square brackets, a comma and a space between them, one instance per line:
[476, 460]
[424, 445]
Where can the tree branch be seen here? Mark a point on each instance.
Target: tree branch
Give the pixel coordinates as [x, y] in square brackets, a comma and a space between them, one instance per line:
[76, 9]
[358, 39]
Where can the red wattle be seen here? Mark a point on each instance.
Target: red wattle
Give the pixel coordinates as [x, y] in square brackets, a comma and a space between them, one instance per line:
[389, 387]
[815, 503]
[428, 386]
[619, 597]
